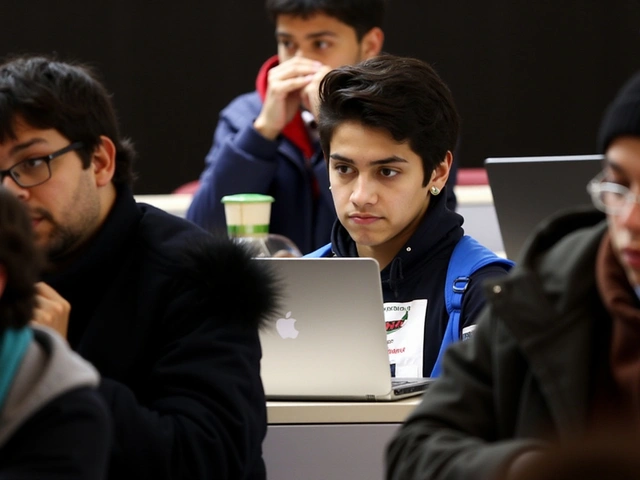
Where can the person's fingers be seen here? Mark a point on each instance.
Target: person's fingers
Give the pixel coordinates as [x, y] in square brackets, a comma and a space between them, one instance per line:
[282, 88]
[46, 290]
[52, 310]
[295, 67]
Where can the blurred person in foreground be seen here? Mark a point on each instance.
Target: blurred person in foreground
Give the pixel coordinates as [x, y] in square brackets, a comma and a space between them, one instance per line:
[53, 422]
[556, 353]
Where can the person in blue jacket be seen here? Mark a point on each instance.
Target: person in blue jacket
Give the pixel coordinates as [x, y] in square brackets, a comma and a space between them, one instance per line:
[53, 422]
[388, 127]
[264, 142]
[157, 305]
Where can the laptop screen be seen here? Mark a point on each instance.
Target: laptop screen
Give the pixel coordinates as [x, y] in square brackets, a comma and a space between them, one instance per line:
[526, 190]
[328, 340]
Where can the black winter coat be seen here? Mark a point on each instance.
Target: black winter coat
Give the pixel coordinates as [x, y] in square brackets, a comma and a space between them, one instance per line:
[169, 316]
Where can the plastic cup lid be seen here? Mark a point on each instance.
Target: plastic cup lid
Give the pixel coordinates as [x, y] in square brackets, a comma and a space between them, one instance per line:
[247, 198]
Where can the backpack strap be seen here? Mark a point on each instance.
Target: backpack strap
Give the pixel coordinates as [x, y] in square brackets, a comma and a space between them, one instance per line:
[468, 257]
[324, 251]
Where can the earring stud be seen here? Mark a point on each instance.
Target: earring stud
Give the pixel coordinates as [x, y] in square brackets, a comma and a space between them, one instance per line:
[435, 190]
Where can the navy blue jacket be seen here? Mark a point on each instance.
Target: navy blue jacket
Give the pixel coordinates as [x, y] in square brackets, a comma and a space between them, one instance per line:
[160, 308]
[419, 271]
[291, 169]
[243, 161]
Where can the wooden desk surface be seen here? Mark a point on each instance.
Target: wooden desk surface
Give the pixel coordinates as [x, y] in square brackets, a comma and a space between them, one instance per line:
[287, 413]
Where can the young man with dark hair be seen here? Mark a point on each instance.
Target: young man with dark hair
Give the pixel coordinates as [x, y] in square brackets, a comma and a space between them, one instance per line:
[265, 141]
[556, 355]
[53, 422]
[155, 303]
[388, 127]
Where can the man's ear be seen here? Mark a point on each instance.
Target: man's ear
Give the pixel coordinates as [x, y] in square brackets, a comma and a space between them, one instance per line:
[371, 43]
[440, 174]
[103, 161]
[3, 279]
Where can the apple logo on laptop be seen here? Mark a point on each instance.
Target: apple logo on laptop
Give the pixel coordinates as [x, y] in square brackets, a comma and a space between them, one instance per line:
[286, 327]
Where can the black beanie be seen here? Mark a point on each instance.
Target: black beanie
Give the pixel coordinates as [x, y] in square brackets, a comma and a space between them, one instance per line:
[622, 116]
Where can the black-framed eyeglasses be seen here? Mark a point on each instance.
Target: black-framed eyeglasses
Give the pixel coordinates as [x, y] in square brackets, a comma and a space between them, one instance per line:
[609, 197]
[35, 171]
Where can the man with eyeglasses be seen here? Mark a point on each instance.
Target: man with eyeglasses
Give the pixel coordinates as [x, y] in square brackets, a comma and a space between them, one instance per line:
[556, 354]
[156, 304]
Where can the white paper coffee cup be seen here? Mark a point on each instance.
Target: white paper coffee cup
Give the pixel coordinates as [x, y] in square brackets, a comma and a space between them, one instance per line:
[247, 214]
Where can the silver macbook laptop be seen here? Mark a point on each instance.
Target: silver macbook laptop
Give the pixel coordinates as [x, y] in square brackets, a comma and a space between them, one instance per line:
[526, 190]
[329, 341]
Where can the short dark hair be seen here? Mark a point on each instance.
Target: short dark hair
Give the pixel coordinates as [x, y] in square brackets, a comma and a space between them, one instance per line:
[362, 15]
[21, 260]
[403, 96]
[68, 97]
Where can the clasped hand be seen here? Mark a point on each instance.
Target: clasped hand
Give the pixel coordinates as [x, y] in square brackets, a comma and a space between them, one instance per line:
[52, 310]
[293, 83]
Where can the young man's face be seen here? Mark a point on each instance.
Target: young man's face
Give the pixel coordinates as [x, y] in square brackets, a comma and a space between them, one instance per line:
[321, 38]
[623, 160]
[64, 210]
[377, 189]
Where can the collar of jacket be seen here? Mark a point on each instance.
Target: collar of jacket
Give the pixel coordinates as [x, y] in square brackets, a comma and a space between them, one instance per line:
[83, 281]
[99, 255]
[548, 303]
[295, 131]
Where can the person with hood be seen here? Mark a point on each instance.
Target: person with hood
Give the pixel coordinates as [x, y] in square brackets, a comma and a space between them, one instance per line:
[556, 353]
[53, 422]
[388, 127]
[167, 313]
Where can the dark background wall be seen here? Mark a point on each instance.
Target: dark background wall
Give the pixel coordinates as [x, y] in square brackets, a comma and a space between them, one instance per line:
[529, 78]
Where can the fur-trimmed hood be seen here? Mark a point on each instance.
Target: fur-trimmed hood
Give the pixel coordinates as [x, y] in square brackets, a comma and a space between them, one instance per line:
[168, 256]
[231, 282]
